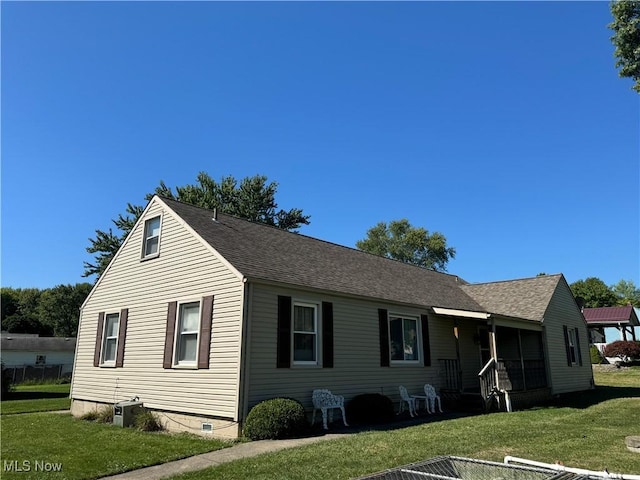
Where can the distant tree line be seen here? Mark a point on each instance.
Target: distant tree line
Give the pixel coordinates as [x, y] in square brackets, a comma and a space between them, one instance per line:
[49, 312]
[595, 293]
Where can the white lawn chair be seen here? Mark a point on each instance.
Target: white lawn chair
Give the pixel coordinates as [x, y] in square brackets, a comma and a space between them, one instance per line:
[324, 401]
[408, 399]
[432, 397]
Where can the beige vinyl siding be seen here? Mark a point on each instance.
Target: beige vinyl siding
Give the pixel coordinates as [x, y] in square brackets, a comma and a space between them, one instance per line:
[185, 270]
[562, 310]
[356, 347]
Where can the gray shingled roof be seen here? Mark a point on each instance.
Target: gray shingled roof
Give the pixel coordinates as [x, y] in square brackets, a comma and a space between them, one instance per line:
[526, 298]
[37, 344]
[261, 252]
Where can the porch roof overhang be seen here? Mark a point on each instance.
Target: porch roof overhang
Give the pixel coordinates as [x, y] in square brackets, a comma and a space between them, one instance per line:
[451, 312]
[494, 319]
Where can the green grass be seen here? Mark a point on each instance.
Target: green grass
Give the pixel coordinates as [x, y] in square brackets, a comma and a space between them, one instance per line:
[87, 450]
[584, 431]
[36, 398]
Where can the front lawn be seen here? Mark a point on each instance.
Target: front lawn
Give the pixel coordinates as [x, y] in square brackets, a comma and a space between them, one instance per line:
[586, 434]
[36, 398]
[87, 450]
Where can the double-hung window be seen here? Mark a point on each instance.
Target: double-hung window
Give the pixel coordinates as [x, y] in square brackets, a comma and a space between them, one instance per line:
[151, 242]
[403, 338]
[305, 333]
[572, 346]
[110, 338]
[187, 334]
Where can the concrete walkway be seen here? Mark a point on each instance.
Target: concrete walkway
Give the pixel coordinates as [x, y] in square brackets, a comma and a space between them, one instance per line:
[236, 452]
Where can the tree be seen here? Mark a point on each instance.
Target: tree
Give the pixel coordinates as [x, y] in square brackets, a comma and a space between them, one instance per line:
[627, 293]
[21, 314]
[594, 292]
[59, 308]
[626, 39]
[400, 241]
[253, 199]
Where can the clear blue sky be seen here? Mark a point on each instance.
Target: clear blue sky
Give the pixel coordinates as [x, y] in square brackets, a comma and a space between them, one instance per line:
[502, 125]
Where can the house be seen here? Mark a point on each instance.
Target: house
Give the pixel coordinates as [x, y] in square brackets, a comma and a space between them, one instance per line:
[624, 319]
[31, 357]
[203, 315]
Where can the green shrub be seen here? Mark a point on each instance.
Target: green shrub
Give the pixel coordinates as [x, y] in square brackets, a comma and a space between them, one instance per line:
[596, 356]
[276, 418]
[7, 383]
[370, 408]
[105, 414]
[147, 421]
[91, 416]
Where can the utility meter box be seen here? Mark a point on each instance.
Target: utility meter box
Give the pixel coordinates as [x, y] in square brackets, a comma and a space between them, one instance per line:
[124, 413]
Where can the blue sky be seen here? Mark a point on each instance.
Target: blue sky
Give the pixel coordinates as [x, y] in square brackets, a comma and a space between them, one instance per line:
[502, 125]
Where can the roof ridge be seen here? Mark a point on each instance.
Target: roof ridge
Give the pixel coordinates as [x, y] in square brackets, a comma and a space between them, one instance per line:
[328, 242]
[558, 275]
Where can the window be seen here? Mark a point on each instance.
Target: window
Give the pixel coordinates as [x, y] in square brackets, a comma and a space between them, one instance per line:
[187, 334]
[110, 338]
[151, 238]
[305, 333]
[403, 338]
[572, 346]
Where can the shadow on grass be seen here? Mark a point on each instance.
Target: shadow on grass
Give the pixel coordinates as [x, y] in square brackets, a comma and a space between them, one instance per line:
[35, 395]
[593, 397]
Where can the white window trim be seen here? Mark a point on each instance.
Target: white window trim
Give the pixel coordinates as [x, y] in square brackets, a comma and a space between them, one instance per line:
[144, 255]
[573, 348]
[103, 362]
[406, 316]
[177, 333]
[316, 310]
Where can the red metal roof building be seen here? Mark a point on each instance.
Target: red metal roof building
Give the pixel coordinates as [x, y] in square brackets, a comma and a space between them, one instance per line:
[622, 318]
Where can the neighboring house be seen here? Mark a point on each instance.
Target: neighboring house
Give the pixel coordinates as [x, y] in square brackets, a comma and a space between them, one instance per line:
[203, 315]
[29, 356]
[623, 319]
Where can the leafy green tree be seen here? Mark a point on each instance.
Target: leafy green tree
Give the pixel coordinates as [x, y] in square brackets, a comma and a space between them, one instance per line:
[399, 240]
[59, 308]
[626, 38]
[251, 198]
[21, 314]
[627, 293]
[594, 292]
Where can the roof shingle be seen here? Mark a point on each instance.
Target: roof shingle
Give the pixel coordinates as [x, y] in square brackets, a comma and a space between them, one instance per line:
[261, 252]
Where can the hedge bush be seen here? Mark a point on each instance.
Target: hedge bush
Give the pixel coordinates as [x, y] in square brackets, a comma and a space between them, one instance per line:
[370, 408]
[625, 349]
[7, 383]
[596, 356]
[276, 418]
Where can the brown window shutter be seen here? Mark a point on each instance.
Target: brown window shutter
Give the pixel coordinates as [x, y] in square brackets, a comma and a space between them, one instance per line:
[426, 348]
[122, 335]
[327, 335]
[168, 339]
[566, 344]
[383, 325]
[98, 346]
[284, 332]
[206, 316]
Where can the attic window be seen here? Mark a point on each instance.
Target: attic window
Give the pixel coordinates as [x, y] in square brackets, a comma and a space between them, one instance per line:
[151, 245]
